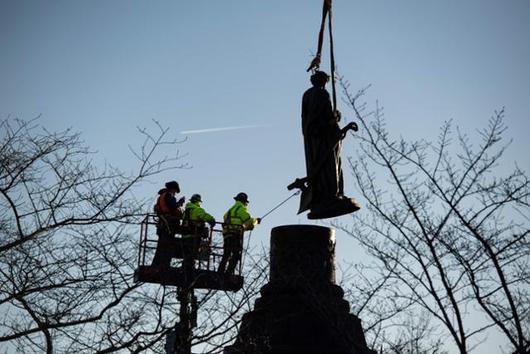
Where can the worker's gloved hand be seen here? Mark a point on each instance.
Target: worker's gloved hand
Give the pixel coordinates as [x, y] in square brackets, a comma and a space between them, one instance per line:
[181, 201]
[212, 224]
[258, 220]
[353, 126]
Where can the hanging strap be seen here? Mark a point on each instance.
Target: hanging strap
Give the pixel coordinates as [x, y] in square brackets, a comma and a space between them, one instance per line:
[332, 57]
[315, 63]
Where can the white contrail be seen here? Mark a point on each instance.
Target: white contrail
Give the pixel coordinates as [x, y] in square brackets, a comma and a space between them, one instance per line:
[212, 130]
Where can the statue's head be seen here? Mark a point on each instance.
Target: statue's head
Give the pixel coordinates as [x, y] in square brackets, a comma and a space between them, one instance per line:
[319, 79]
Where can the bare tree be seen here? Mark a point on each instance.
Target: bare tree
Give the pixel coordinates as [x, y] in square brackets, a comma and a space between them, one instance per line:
[68, 233]
[221, 312]
[448, 230]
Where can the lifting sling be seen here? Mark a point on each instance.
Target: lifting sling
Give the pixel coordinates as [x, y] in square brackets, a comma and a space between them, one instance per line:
[315, 63]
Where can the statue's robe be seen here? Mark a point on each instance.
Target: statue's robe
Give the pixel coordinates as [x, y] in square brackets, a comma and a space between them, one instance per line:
[323, 164]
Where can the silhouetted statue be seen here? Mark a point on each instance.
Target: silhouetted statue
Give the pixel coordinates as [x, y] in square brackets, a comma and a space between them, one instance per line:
[323, 188]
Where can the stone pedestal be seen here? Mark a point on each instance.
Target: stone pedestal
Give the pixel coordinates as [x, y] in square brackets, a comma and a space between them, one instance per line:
[301, 309]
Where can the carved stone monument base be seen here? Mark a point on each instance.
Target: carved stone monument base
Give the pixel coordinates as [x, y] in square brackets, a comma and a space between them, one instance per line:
[301, 309]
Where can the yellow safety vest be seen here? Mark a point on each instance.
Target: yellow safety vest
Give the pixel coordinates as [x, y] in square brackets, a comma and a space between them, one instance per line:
[194, 217]
[237, 219]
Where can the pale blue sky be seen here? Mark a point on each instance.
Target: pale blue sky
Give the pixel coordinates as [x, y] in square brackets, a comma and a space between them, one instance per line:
[105, 67]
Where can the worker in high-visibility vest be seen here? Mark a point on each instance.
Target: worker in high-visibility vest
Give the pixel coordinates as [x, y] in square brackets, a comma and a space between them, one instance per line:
[194, 229]
[169, 213]
[237, 220]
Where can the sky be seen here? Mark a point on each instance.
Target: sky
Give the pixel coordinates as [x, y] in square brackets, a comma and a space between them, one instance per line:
[105, 68]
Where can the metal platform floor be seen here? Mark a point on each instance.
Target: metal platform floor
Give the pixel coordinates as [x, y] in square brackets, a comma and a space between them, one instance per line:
[202, 279]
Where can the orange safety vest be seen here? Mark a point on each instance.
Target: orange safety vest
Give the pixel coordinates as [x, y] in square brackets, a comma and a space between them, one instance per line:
[161, 207]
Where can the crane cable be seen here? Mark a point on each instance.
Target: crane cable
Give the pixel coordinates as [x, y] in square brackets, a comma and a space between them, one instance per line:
[315, 63]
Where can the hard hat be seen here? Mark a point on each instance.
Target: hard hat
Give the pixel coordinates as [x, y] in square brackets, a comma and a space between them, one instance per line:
[196, 198]
[173, 185]
[242, 197]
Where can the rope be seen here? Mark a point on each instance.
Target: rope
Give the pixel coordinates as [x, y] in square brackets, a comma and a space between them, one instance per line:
[245, 250]
[279, 205]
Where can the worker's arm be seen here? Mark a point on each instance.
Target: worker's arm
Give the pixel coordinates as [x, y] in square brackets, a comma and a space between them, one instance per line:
[317, 112]
[173, 206]
[171, 202]
[327, 109]
[248, 221]
[202, 215]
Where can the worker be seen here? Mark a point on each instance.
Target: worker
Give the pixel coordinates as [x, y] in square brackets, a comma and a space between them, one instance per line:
[237, 220]
[194, 220]
[169, 213]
